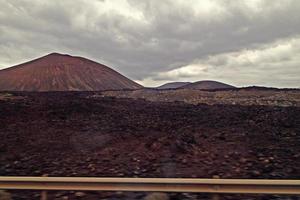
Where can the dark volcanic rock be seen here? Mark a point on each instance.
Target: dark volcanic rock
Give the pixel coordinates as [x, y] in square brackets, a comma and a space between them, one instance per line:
[72, 134]
[244, 96]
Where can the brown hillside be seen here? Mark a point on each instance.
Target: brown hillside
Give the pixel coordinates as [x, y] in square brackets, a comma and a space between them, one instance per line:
[57, 72]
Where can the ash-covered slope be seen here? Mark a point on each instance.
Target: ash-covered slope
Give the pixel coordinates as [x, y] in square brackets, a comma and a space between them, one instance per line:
[58, 72]
[207, 85]
[172, 85]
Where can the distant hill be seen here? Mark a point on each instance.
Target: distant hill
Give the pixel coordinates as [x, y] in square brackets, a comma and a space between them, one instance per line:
[173, 85]
[58, 72]
[207, 85]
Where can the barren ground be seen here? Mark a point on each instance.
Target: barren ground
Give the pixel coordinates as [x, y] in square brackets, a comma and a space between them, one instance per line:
[84, 134]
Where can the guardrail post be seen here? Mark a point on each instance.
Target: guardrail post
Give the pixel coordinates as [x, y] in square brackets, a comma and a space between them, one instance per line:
[44, 193]
[216, 196]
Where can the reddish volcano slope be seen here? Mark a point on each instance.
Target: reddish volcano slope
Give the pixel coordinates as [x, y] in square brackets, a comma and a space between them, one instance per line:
[57, 72]
[207, 85]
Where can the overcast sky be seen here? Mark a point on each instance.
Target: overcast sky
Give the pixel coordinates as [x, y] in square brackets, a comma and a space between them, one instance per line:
[250, 42]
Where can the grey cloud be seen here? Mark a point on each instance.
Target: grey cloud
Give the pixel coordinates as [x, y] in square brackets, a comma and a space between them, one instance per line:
[275, 64]
[142, 39]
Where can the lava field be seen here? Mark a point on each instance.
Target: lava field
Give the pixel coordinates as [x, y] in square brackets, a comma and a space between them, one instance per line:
[72, 134]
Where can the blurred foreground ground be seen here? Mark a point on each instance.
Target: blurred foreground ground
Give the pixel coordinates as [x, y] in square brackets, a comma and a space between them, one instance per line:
[89, 134]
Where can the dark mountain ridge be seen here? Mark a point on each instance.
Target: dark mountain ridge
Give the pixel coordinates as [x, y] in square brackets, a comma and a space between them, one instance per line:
[172, 85]
[207, 85]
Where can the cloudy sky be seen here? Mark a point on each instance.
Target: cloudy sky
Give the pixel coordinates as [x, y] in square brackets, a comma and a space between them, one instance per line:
[250, 42]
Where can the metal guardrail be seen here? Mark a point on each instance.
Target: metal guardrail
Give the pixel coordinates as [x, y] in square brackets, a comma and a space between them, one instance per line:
[240, 186]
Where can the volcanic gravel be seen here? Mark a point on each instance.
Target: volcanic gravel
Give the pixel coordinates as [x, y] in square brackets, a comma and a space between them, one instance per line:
[71, 134]
[238, 96]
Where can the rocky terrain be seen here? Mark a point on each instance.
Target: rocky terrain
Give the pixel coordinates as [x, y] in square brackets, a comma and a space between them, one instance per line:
[58, 72]
[86, 134]
[242, 96]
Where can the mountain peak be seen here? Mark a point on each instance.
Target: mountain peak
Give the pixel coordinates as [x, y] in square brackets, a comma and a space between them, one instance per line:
[55, 54]
[58, 55]
[62, 72]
